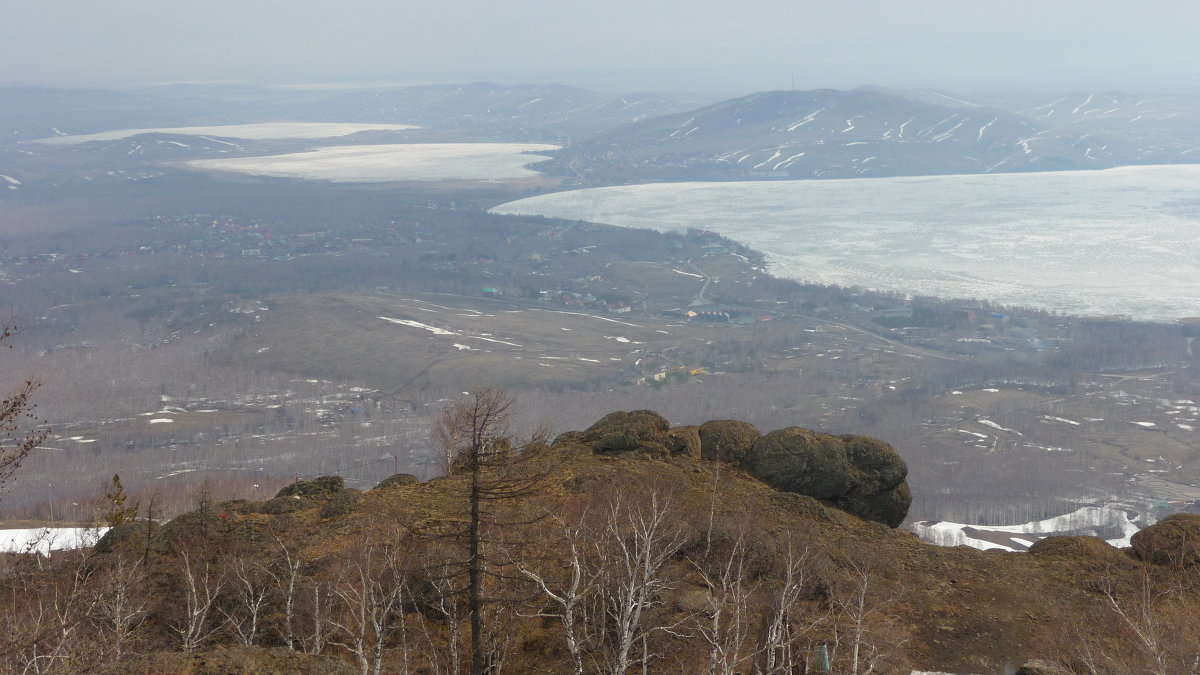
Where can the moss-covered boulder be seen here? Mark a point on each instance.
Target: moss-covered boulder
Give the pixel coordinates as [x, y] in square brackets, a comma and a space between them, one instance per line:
[397, 480]
[281, 505]
[638, 431]
[1075, 547]
[209, 523]
[124, 537]
[1174, 540]
[859, 474]
[685, 441]
[317, 487]
[341, 503]
[727, 440]
[567, 438]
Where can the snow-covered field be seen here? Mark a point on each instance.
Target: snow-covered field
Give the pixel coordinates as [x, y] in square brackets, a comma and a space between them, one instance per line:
[379, 163]
[260, 131]
[44, 539]
[1120, 241]
[1112, 523]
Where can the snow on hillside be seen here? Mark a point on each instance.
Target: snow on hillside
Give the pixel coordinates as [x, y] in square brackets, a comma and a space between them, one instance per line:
[1115, 525]
[45, 539]
[259, 131]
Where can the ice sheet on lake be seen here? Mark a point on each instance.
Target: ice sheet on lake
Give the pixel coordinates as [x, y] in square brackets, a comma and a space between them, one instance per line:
[393, 162]
[1120, 241]
[259, 131]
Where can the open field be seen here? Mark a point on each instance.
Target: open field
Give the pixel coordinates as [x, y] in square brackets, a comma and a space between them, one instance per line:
[400, 344]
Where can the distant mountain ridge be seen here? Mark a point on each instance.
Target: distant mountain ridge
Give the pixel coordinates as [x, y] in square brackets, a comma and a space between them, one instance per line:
[570, 111]
[848, 134]
[483, 110]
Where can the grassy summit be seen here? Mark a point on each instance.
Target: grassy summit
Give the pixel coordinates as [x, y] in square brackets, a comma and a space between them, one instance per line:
[629, 548]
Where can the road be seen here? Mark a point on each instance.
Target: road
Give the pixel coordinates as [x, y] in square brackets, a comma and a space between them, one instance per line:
[700, 299]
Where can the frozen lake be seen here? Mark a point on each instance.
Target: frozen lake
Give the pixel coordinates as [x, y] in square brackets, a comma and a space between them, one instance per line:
[394, 162]
[1120, 241]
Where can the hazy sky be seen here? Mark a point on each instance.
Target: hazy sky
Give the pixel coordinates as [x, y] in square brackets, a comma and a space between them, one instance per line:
[725, 46]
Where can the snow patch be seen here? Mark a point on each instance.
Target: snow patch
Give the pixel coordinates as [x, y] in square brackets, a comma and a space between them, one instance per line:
[989, 423]
[1115, 525]
[811, 116]
[45, 539]
[415, 324]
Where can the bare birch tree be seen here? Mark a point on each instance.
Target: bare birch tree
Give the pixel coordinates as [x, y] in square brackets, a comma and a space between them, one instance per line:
[371, 594]
[639, 541]
[318, 612]
[286, 576]
[121, 608]
[251, 588]
[859, 623]
[725, 622]
[784, 625]
[570, 590]
[201, 583]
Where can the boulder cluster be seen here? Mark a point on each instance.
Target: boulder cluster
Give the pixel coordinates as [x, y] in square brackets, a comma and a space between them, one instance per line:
[1174, 540]
[858, 474]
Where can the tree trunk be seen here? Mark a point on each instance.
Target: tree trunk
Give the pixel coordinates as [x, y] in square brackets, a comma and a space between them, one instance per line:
[475, 599]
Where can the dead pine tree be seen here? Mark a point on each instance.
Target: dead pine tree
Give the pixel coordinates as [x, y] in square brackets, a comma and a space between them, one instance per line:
[476, 435]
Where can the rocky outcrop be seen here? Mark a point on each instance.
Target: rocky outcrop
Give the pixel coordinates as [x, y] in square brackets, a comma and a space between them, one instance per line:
[1078, 548]
[638, 431]
[341, 503]
[396, 480]
[317, 487]
[1174, 540]
[685, 441]
[859, 474]
[126, 536]
[727, 440]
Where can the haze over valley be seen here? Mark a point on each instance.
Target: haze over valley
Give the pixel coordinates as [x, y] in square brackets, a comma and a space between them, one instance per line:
[301, 241]
[932, 320]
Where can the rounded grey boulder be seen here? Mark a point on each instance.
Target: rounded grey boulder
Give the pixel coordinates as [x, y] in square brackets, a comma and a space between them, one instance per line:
[859, 474]
[727, 440]
[634, 431]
